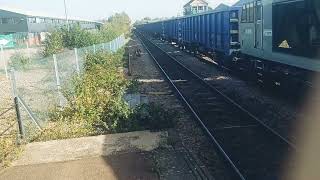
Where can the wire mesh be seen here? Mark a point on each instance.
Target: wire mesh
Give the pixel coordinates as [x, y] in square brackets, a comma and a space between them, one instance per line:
[45, 84]
[36, 85]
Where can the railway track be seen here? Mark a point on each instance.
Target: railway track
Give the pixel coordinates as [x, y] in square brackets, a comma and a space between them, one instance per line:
[253, 150]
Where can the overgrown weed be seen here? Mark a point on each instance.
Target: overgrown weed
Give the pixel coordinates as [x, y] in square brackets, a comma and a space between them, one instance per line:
[96, 104]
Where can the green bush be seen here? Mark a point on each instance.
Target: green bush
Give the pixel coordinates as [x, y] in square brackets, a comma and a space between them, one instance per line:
[116, 25]
[76, 37]
[96, 104]
[99, 94]
[133, 86]
[19, 61]
[154, 117]
[148, 116]
[53, 43]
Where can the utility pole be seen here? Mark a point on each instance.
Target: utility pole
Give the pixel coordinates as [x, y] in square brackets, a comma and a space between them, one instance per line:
[66, 13]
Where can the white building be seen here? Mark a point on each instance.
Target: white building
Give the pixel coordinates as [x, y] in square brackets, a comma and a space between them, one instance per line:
[195, 7]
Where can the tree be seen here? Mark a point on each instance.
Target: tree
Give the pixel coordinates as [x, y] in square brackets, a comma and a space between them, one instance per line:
[117, 24]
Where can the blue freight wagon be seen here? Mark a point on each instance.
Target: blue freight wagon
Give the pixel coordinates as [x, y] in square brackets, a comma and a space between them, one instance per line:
[214, 32]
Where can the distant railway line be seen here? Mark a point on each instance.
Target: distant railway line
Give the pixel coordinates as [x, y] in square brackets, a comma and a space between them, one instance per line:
[251, 148]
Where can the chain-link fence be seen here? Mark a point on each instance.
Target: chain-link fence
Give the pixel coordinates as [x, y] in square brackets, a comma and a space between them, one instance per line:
[37, 84]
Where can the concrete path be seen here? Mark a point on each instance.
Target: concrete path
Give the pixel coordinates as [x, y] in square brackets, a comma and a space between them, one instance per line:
[125, 166]
[118, 156]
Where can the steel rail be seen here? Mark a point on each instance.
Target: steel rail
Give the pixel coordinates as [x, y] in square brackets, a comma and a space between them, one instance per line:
[184, 99]
[230, 100]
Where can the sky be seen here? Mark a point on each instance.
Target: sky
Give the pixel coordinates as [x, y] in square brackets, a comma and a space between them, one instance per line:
[98, 9]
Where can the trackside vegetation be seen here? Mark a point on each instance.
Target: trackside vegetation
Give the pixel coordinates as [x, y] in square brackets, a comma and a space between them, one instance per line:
[98, 106]
[96, 102]
[95, 98]
[76, 37]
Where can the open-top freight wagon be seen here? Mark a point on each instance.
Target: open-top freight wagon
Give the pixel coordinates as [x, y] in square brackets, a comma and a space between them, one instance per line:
[215, 31]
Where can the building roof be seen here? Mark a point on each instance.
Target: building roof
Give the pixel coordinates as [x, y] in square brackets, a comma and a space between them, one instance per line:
[42, 15]
[240, 3]
[221, 7]
[188, 4]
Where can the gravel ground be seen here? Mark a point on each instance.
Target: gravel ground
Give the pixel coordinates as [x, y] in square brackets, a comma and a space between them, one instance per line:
[27, 81]
[7, 113]
[186, 140]
[8, 123]
[36, 85]
[277, 113]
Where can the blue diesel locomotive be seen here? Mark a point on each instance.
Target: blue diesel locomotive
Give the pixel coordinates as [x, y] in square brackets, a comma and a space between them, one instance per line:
[275, 41]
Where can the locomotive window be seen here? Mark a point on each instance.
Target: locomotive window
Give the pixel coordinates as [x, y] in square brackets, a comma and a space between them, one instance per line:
[247, 12]
[244, 14]
[258, 10]
[251, 12]
[296, 28]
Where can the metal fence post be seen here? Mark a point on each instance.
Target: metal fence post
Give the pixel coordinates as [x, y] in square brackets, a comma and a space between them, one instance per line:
[4, 62]
[16, 104]
[57, 78]
[122, 41]
[77, 60]
[94, 48]
[110, 46]
[118, 43]
[129, 63]
[113, 46]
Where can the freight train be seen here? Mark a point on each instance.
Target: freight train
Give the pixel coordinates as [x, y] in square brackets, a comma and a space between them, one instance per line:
[274, 41]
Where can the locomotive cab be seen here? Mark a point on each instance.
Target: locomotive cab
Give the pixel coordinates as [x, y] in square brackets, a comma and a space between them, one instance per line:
[296, 28]
[280, 40]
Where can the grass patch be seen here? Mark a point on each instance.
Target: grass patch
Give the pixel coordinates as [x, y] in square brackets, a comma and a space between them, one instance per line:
[153, 116]
[9, 150]
[19, 61]
[133, 86]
